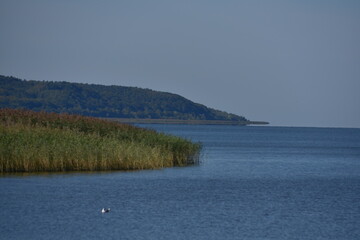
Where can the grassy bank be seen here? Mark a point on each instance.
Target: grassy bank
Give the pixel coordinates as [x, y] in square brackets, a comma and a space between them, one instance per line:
[34, 142]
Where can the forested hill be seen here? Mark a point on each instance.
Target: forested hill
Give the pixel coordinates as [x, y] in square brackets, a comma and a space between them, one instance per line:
[103, 101]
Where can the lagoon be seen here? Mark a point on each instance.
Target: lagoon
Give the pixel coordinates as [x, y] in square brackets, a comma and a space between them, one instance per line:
[252, 183]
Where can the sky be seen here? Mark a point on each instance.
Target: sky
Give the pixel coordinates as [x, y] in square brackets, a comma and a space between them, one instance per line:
[291, 63]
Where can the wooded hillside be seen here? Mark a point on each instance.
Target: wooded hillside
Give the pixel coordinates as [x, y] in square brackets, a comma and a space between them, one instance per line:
[103, 101]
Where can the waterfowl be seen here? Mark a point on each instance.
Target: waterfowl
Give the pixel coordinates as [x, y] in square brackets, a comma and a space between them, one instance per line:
[105, 210]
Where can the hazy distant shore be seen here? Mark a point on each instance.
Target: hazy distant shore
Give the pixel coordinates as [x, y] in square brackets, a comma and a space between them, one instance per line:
[179, 121]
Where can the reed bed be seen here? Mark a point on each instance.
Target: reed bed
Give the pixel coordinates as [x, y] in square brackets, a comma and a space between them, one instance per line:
[38, 141]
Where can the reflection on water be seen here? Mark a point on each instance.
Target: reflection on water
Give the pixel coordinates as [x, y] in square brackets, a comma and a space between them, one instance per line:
[57, 174]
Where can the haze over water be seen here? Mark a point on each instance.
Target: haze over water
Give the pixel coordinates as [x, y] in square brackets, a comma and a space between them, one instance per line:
[291, 63]
[252, 183]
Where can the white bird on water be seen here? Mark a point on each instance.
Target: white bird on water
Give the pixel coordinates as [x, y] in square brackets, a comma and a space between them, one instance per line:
[105, 210]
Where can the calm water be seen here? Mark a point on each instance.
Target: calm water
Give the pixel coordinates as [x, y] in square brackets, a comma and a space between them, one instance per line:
[253, 183]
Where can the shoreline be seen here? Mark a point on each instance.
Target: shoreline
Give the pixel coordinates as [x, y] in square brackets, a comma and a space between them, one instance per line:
[49, 142]
[189, 122]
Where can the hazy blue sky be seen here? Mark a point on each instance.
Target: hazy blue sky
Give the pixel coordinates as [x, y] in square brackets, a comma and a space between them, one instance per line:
[293, 63]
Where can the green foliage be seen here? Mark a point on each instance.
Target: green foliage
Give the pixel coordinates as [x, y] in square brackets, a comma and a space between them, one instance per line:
[103, 101]
[32, 142]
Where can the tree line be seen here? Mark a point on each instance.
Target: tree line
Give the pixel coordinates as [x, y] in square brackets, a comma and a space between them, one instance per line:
[103, 101]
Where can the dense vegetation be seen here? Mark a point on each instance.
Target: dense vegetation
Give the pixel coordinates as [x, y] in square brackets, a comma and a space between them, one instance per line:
[38, 141]
[103, 101]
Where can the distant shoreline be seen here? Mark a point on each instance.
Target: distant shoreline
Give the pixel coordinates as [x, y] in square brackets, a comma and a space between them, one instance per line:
[192, 122]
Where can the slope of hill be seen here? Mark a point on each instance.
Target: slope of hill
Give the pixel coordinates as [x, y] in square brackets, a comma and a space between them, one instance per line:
[103, 101]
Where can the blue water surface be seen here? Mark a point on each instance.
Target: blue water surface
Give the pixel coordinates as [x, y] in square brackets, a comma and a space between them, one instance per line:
[252, 183]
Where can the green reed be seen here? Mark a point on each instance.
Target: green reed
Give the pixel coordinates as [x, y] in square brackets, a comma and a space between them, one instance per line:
[35, 142]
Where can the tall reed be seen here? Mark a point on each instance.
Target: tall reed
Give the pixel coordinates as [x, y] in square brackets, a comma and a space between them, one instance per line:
[34, 142]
